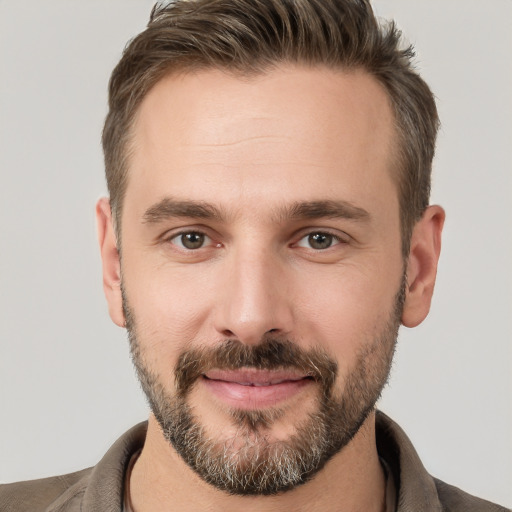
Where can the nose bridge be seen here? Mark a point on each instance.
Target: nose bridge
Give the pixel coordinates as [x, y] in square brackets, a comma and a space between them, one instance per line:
[254, 299]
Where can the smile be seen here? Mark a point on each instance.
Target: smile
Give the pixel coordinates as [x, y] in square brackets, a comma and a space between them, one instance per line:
[252, 389]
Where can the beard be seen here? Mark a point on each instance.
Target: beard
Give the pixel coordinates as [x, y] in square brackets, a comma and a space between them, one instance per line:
[250, 462]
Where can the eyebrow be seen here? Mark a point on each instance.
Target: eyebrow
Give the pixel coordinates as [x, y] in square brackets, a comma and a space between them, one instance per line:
[330, 209]
[300, 210]
[168, 208]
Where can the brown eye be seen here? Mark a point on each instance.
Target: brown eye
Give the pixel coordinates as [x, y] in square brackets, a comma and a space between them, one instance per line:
[190, 240]
[320, 241]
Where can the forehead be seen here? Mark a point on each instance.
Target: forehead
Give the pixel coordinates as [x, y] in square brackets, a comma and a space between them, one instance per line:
[304, 131]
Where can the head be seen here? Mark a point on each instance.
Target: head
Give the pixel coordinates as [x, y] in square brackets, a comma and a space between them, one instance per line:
[268, 164]
[247, 38]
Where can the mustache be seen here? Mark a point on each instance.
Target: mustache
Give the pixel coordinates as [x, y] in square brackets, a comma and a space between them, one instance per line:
[269, 354]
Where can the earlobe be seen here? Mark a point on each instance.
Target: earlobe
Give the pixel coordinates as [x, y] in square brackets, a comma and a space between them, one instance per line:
[422, 265]
[111, 264]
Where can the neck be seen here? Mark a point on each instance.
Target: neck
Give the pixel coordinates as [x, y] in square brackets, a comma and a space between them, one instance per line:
[352, 480]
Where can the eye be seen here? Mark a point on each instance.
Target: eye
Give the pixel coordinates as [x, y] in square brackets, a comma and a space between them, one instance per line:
[318, 241]
[191, 240]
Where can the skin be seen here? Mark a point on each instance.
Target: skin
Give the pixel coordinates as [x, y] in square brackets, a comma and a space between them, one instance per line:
[252, 148]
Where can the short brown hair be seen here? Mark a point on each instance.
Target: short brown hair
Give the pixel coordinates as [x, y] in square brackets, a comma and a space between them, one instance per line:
[249, 37]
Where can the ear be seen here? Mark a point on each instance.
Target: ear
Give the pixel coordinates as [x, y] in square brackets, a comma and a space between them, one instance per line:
[110, 261]
[422, 265]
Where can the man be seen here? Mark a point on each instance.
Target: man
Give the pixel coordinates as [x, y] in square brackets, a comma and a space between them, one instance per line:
[268, 229]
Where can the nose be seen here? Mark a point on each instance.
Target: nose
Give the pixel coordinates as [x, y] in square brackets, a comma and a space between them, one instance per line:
[255, 297]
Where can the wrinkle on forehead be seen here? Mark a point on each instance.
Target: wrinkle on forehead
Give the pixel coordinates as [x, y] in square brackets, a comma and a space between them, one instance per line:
[259, 138]
[299, 132]
[211, 107]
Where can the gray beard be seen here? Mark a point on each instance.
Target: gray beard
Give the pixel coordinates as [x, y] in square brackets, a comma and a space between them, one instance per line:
[249, 463]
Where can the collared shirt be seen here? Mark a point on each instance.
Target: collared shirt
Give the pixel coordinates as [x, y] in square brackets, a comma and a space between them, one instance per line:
[102, 487]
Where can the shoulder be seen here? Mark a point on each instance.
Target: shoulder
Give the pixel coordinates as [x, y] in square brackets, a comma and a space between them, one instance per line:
[454, 499]
[99, 488]
[416, 488]
[37, 495]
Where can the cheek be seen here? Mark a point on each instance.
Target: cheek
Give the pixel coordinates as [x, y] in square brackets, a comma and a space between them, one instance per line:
[165, 292]
[346, 310]
[169, 309]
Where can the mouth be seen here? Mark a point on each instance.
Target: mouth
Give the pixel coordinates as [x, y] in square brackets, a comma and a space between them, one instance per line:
[252, 389]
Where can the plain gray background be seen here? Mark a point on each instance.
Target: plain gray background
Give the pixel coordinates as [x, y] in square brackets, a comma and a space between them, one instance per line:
[67, 389]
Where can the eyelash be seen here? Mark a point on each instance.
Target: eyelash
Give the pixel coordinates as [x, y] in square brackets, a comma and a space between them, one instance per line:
[176, 236]
[335, 240]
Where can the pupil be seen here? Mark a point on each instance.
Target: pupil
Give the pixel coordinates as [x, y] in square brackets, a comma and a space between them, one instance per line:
[192, 240]
[320, 241]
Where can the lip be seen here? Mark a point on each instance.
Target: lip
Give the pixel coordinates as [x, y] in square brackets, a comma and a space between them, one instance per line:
[252, 389]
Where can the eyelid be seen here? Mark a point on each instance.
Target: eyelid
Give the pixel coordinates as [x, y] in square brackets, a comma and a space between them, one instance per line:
[169, 236]
[340, 237]
[172, 234]
[174, 240]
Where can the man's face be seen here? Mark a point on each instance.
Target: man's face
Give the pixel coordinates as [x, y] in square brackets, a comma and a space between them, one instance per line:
[261, 265]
